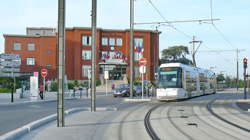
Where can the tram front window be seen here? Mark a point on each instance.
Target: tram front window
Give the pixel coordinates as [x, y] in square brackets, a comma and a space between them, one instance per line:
[170, 78]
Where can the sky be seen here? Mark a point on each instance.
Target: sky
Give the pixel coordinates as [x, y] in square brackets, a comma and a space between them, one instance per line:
[233, 28]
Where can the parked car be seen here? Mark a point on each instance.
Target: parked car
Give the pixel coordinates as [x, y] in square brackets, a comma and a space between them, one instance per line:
[122, 90]
[138, 90]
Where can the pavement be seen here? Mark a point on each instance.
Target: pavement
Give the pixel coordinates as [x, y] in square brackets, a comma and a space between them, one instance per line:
[91, 125]
[5, 98]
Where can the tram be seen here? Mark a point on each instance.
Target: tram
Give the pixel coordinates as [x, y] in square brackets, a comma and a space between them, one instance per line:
[179, 81]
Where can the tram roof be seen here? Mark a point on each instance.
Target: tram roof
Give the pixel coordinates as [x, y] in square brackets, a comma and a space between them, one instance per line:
[187, 67]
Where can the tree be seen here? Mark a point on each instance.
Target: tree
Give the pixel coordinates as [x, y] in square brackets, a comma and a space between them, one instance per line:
[175, 54]
[220, 78]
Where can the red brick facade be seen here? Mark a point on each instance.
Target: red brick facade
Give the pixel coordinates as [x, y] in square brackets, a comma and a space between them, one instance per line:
[112, 52]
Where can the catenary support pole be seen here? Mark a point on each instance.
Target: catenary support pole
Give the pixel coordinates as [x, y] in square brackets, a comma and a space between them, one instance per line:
[237, 79]
[131, 47]
[93, 67]
[61, 63]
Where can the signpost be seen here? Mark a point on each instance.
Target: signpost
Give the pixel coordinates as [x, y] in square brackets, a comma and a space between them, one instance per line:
[10, 69]
[44, 73]
[106, 77]
[9, 63]
[142, 69]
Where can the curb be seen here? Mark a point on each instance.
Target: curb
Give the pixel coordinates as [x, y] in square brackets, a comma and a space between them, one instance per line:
[17, 133]
[137, 100]
[34, 102]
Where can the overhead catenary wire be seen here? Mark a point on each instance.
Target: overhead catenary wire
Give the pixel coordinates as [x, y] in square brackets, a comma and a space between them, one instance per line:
[216, 28]
[170, 25]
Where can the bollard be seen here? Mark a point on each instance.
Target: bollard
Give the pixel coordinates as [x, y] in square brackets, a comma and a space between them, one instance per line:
[87, 92]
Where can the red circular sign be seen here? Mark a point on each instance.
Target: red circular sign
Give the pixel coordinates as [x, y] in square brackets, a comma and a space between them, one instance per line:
[44, 72]
[142, 61]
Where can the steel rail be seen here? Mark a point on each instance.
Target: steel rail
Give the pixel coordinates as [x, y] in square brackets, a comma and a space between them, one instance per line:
[209, 108]
[147, 123]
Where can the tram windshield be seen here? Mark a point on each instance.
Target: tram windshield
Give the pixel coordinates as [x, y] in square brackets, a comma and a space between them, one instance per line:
[170, 78]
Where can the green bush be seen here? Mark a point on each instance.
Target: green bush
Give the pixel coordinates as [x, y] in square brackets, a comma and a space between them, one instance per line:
[5, 90]
[54, 86]
[137, 83]
[98, 83]
[71, 85]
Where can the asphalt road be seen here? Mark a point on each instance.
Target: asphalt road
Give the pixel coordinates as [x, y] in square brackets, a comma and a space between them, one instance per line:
[15, 116]
[207, 117]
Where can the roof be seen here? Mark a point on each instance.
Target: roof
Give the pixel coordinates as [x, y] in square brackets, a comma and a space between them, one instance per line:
[31, 36]
[187, 67]
[112, 30]
[77, 28]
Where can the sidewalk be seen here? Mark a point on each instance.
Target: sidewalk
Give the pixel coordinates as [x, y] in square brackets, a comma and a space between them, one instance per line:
[79, 126]
[5, 98]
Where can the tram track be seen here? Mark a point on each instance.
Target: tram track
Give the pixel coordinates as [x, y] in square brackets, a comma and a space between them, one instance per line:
[209, 108]
[148, 125]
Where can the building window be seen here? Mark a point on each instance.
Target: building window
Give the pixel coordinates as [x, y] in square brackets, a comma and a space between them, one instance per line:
[104, 41]
[86, 55]
[86, 40]
[16, 46]
[86, 70]
[49, 51]
[30, 61]
[119, 41]
[31, 46]
[112, 41]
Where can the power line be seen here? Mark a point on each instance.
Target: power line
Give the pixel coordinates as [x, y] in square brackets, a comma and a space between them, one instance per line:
[170, 25]
[216, 28]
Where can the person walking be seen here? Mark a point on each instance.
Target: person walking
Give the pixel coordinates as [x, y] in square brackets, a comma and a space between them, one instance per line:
[41, 92]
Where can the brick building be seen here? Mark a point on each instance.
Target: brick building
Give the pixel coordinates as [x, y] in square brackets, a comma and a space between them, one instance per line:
[38, 49]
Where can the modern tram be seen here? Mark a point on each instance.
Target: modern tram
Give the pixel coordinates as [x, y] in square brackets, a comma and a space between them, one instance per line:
[180, 81]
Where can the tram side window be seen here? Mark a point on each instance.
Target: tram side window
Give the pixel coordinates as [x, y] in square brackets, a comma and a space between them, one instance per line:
[190, 81]
[203, 81]
[170, 78]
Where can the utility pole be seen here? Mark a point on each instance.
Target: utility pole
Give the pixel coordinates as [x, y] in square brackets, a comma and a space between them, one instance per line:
[131, 47]
[237, 79]
[93, 47]
[195, 49]
[61, 63]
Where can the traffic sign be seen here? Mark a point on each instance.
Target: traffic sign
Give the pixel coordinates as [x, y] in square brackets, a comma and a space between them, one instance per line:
[106, 74]
[10, 56]
[142, 69]
[10, 69]
[14, 74]
[142, 61]
[44, 72]
[10, 63]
